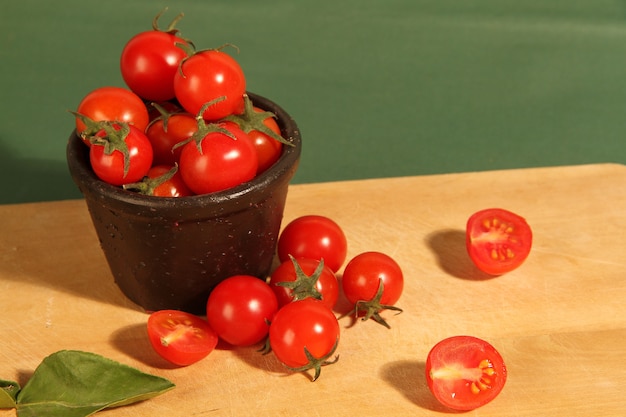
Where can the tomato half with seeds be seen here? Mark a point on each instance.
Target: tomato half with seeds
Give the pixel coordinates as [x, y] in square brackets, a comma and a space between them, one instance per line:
[180, 337]
[465, 372]
[498, 241]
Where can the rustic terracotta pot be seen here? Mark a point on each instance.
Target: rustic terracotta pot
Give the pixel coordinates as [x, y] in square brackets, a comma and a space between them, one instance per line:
[169, 253]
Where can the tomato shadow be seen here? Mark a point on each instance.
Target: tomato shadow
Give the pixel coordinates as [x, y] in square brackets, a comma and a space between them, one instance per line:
[133, 341]
[408, 378]
[450, 248]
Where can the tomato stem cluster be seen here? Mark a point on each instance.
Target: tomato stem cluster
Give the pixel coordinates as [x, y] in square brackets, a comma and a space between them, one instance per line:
[317, 363]
[373, 307]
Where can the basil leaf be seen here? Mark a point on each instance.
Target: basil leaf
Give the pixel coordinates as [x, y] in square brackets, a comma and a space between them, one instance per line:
[73, 383]
[8, 393]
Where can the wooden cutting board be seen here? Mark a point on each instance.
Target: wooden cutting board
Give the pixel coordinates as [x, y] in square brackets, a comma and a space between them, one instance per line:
[559, 321]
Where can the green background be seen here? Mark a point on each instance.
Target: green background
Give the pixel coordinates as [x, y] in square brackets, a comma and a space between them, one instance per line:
[379, 88]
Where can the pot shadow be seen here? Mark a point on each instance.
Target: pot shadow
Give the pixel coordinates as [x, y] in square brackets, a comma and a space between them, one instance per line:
[450, 248]
[408, 378]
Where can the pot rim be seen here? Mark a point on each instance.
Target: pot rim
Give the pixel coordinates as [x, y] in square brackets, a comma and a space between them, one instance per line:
[90, 184]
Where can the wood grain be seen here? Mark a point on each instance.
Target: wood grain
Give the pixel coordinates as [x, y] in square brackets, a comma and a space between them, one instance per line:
[559, 320]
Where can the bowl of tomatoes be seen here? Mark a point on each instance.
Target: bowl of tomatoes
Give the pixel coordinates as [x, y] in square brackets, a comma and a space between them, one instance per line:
[169, 252]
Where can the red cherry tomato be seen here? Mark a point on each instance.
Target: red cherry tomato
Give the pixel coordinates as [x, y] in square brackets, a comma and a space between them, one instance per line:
[149, 61]
[167, 131]
[172, 187]
[240, 309]
[209, 75]
[498, 241]
[373, 282]
[464, 372]
[112, 167]
[180, 337]
[268, 149]
[224, 162]
[114, 104]
[314, 237]
[304, 326]
[308, 281]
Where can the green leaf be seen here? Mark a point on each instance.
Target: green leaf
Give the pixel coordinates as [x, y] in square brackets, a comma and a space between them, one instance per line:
[8, 393]
[73, 383]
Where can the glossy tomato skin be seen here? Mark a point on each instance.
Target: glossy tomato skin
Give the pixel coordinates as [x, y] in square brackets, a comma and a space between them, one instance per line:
[148, 63]
[497, 240]
[110, 168]
[268, 149]
[209, 75]
[178, 128]
[314, 237]
[240, 309]
[326, 284]
[465, 372]
[114, 104]
[173, 187]
[224, 162]
[179, 337]
[362, 275]
[306, 323]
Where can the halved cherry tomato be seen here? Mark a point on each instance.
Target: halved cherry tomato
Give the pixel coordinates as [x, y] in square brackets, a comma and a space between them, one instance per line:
[464, 372]
[498, 241]
[179, 337]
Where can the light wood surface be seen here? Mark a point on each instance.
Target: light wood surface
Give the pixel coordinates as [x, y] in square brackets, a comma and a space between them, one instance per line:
[559, 320]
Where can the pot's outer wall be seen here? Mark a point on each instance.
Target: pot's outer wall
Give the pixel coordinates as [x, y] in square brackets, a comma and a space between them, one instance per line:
[169, 253]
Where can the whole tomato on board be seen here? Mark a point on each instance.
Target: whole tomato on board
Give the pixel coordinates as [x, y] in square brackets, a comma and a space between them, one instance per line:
[210, 76]
[465, 372]
[150, 59]
[120, 153]
[314, 237]
[498, 241]
[218, 157]
[240, 309]
[179, 337]
[304, 335]
[373, 282]
[114, 104]
[297, 279]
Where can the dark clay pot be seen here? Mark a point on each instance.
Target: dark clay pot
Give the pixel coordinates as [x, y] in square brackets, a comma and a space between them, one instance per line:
[169, 253]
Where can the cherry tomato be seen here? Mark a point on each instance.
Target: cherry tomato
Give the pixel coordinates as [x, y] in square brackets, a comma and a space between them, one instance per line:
[302, 278]
[149, 61]
[167, 131]
[373, 282]
[112, 167]
[314, 237]
[114, 104]
[209, 75]
[163, 181]
[464, 372]
[498, 241]
[240, 309]
[180, 337]
[223, 162]
[268, 149]
[301, 327]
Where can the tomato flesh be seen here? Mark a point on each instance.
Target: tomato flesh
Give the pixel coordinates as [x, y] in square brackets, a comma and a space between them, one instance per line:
[497, 240]
[465, 372]
[179, 337]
